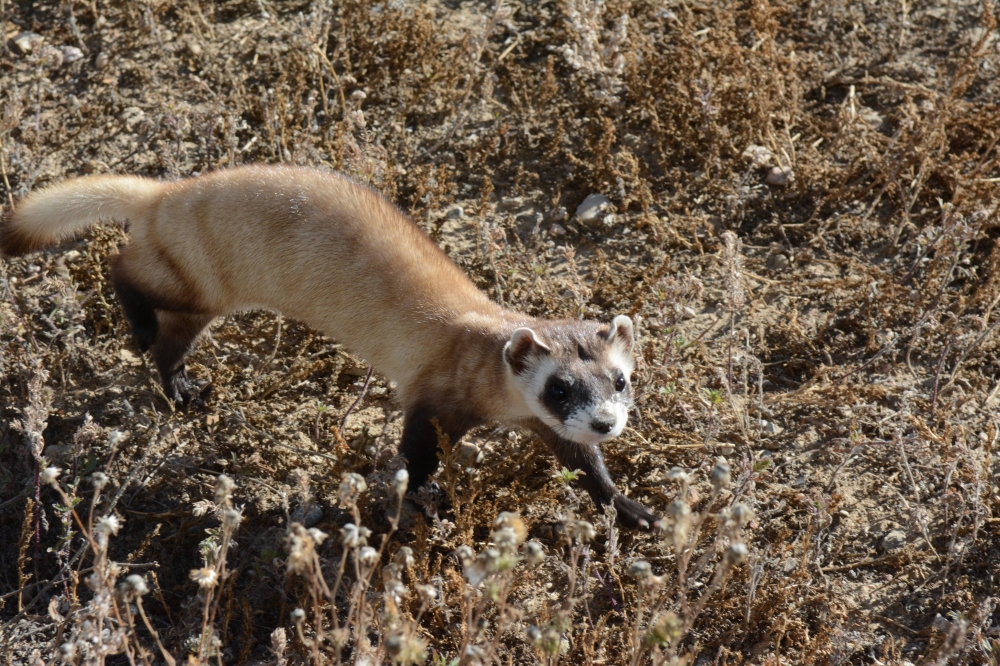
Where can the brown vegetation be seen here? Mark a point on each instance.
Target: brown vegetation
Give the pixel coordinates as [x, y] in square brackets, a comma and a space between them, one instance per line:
[804, 229]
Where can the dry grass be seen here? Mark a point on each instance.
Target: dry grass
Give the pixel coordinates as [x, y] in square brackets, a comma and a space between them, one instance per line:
[806, 233]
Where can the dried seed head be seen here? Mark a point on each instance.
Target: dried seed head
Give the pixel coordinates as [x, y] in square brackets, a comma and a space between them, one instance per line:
[666, 631]
[681, 514]
[224, 486]
[401, 482]
[680, 476]
[351, 486]
[136, 584]
[317, 535]
[534, 553]
[107, 525]
[49, 475]
[736, 553]
[206, 577]
[67, 652]
[301, 548]
[640, 570]
[278, 640]
[427, 593]
[350, 536]
[232, 519]
[720, 475]
[395, 590]
[509, 531]
[740, 515]
[99, 480]
[584, 531]
[465, 555]
[368, 556]
[404, 557]
[406, 649]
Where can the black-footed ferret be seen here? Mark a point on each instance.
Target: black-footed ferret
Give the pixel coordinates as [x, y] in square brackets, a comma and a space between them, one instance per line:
[336, 255]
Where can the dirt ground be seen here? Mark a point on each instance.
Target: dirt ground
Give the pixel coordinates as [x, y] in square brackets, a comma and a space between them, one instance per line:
[802, 222]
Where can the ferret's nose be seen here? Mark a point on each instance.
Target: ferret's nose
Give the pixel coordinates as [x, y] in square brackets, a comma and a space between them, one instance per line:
[603, 427]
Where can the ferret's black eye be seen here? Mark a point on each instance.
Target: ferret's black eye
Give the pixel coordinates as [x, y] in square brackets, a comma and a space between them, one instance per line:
[558, 391]
[620, 383]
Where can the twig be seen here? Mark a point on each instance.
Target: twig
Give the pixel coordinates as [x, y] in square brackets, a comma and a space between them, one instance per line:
[364, 390]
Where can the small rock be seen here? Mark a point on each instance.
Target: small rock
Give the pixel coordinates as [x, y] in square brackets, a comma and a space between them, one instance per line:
[131, 115]
[128, 357]
[455, 213]
[593, 209]
[469, 453]
[777, 262]
[557, 230]
[557, 214]
[193, 47]
[55, 453]
[307, 516]
[101, 61]
[780, 176]
[894, 540]
[688, 312]
[71, 54]
[771, 428]
[27, 41]
[759, 156]
[513, 203]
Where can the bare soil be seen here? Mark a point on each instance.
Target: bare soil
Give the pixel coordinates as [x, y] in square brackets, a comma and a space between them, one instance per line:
[842, 357]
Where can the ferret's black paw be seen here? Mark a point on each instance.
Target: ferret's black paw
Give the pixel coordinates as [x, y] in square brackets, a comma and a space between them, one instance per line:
[187, 393]
[634, 516]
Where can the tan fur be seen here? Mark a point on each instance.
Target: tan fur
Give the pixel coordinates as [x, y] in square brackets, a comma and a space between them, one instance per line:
[310, 244]
[323, 249]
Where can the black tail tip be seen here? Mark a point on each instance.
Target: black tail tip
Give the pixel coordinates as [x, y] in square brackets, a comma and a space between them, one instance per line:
[12, 242]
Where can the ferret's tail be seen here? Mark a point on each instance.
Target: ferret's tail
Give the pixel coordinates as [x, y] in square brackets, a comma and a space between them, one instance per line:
[49, 216]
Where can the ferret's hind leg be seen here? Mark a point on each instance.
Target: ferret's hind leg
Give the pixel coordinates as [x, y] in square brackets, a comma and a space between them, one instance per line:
[138, 305]
[177, 334]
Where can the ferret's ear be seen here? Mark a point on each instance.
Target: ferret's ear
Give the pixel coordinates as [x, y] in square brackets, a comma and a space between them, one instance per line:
[521, 348]
[622, 333]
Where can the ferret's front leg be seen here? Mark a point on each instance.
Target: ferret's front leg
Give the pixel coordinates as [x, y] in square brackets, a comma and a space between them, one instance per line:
[596, 480]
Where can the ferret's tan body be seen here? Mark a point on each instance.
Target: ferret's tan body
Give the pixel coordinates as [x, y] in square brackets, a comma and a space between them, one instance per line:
[319, 248]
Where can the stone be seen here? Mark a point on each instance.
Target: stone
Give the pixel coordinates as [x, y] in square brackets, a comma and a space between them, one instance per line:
[780, 176]
[27, 41]
[71, 54]
[759, 156]
[469, 453]
[455, 213]
[557, 214]
[777, 262]
[593, 209]
[307, 516]
[771, 428]
[894, 540]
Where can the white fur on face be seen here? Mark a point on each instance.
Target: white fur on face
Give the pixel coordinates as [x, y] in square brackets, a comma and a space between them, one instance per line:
[577, 427]
[622, 360]
[531, 384]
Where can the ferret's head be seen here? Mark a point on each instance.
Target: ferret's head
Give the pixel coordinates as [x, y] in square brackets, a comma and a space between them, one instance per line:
[575, 376]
